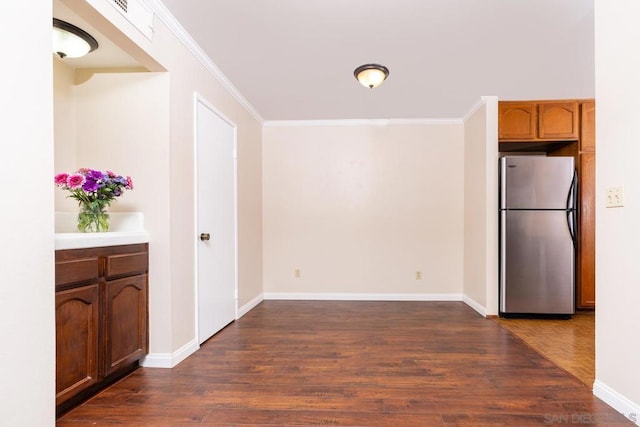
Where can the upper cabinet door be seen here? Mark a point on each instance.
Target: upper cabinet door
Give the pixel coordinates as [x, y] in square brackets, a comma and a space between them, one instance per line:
[516, 120]
[558, 120]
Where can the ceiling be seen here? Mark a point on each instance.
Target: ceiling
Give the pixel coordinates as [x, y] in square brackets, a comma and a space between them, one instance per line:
[294, 59]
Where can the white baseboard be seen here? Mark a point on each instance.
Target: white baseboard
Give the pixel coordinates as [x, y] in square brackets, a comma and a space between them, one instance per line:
[249, 306]
[617, 401]
[360, 297]
[169, 360]
[475, 305]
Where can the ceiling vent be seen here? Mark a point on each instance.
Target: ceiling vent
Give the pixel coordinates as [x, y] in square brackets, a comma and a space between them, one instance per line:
[122, 4]
[138, 13]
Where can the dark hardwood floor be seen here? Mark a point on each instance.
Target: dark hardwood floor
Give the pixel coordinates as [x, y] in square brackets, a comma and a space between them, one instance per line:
[354, 364]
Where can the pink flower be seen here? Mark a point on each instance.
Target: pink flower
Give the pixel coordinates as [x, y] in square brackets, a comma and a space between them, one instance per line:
[110, 174]
[61, 179]
[75, 180]
[129, 183]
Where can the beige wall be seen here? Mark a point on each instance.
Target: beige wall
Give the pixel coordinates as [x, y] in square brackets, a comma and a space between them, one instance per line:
[170, 217]
[118, 129]
[618, 229]
[480, 207]
[475, 214]
[360, 209]
[27, 323]
[107, 122]
[64, 126]
[188, 76]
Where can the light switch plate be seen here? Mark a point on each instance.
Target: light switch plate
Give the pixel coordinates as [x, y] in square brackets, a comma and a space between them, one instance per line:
[614, 197]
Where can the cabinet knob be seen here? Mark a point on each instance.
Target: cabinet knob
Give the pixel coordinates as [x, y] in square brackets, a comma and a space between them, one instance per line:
[205, 236]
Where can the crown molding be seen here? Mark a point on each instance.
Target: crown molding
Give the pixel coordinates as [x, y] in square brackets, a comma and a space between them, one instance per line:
[361, 122]
[178, 30]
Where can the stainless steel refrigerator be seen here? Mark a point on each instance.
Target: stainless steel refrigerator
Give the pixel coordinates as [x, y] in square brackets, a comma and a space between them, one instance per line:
[537, 235]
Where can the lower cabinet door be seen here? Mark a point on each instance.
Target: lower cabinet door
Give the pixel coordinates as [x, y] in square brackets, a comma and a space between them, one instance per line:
[125, 322]
[77, 317]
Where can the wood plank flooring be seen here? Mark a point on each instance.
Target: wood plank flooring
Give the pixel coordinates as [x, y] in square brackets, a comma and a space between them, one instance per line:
[354, 364]
[569, 344]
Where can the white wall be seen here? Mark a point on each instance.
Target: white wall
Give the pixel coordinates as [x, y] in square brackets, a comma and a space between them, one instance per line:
[618, 229]
[480, 207]
[27, 323]
[359, 209]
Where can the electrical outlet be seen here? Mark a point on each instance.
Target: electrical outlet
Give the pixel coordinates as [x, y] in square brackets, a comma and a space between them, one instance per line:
[418, 275]
[614, 197]
[297, 273]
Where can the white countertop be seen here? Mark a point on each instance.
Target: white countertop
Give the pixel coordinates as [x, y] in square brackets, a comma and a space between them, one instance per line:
[126, 228]
[92, 240]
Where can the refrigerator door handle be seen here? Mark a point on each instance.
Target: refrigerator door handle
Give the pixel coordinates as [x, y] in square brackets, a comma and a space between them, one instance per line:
[571, 209]
[571, 224]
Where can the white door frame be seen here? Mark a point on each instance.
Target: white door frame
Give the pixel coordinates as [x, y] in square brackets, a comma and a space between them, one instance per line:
[200, 99]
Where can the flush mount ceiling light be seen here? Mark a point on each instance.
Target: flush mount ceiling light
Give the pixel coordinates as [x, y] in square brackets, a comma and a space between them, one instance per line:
[371, 75]
[70, 41]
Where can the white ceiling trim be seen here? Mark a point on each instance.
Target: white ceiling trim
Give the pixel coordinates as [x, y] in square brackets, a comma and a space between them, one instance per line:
[178, 30]
[361, 122]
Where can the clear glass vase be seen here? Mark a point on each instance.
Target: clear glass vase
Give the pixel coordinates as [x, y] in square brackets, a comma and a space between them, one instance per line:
[93, 218]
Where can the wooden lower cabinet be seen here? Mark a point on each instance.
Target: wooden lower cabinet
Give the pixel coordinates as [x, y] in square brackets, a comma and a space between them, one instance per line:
[125, 322]
[77, 326]
[101, 318]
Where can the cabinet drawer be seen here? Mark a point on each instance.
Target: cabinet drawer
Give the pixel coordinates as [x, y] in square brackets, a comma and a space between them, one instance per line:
[77, 270]
[126, 264]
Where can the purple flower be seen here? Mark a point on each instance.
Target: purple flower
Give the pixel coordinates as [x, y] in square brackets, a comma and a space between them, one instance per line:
[90, 185]
[94, 175]
[75, 181]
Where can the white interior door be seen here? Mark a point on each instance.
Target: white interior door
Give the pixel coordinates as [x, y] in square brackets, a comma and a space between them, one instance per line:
[216, 221]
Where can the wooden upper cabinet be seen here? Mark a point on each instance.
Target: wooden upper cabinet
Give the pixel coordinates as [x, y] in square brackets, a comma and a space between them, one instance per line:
[538, 121]
[588, 126]
[558, 120]
[516, 120]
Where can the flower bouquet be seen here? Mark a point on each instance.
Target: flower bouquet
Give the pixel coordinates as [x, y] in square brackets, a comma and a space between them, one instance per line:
[94, 190]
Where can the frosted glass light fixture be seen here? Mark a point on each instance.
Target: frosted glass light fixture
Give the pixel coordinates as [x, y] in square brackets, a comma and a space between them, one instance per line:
[371, 75]
[70, 41]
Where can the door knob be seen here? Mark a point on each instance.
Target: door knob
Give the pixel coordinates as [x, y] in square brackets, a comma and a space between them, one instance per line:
[205, 236]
